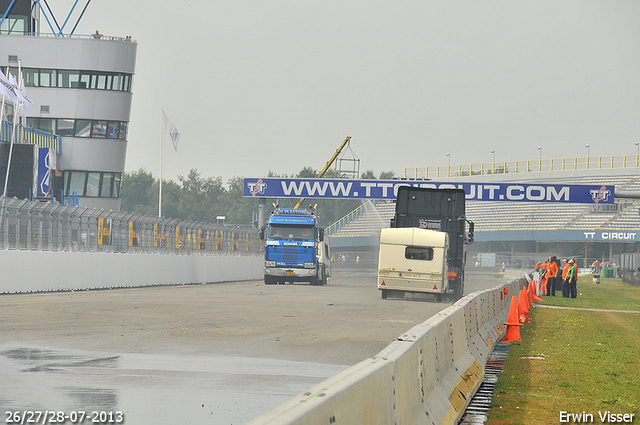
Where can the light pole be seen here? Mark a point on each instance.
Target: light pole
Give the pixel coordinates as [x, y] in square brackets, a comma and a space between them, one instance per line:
[449, 167]
[540, 150]
[493, 167]
[638, 148]
[588, 153]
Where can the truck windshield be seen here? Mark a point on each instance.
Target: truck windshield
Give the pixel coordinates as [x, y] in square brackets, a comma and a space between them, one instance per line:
[288, 231]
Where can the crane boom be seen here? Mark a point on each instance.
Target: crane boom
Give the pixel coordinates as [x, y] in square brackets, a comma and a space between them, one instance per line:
[329, 163]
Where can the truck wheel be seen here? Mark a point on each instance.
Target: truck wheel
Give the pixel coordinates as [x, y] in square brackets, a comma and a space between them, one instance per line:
[459, 291]
[324, 279]
[268, 280]
[439, 298]
[385, 293]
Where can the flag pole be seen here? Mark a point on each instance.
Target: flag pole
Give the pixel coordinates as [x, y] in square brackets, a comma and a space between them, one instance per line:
[12, 139]
[160, 184]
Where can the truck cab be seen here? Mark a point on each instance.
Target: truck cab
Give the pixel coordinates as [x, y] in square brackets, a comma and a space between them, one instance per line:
[296, 249]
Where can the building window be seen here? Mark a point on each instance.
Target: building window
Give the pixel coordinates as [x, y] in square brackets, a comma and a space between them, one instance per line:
[92, 184]
[106, 190]
[75, 79]
[85, 81]
[48, 78]
[112, 130]
[76, 182]
[122, 133]
[65, 128]
[83, 128]
[99, 129]
[15, 24]
[31, 77]
[102, 82]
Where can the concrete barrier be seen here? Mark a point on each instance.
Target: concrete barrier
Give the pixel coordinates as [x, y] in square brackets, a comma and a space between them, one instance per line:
[426, 376]
[33, 271]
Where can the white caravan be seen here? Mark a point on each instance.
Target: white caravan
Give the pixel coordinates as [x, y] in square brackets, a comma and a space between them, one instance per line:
[413, 260]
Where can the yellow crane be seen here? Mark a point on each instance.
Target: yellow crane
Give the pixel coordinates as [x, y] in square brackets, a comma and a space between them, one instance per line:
[328, 165]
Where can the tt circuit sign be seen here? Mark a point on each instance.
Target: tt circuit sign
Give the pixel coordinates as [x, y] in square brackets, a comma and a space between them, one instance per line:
[388, 189]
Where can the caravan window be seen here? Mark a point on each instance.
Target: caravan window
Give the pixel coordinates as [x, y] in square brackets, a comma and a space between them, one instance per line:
[424, 253]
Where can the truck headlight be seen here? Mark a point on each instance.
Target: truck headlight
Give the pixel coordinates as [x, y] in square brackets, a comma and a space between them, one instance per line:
[269, 263]
[309, 265]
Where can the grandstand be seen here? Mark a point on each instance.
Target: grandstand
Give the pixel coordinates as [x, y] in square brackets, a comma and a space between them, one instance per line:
[519, 226]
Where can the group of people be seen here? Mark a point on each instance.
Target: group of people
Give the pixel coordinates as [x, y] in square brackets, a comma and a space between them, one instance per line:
[550, 276]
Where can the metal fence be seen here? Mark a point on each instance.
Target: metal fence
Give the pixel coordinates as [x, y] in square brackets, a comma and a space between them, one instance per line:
[525, 166]
[49, 226]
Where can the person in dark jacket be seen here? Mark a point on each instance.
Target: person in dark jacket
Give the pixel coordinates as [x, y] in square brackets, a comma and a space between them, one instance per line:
[565, 283]
[572, 279]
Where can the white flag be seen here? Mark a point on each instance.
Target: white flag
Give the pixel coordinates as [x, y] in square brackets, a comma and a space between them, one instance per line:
[172, 130]
[7, 89]
[21, 96]
[24, 105]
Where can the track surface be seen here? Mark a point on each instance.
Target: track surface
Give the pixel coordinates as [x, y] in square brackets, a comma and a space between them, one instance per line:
[219, 353]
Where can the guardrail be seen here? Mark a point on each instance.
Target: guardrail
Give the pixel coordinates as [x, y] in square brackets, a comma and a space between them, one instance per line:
[428, 375]
[49, 226]
[525, 166]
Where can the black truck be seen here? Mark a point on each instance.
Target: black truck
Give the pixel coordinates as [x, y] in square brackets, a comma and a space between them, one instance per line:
[441, 210]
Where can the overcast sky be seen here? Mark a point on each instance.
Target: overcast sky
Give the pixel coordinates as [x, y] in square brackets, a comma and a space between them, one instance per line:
[277, 85]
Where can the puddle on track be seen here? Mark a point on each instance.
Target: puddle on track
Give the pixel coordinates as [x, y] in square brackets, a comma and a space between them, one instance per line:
[149, 388]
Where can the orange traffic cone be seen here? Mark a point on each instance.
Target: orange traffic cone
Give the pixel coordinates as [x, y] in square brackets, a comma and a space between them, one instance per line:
[534, 296]
[513, 326]
[523, 307]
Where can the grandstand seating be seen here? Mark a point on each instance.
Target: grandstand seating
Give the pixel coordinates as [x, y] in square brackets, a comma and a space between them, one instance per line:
[490, 216]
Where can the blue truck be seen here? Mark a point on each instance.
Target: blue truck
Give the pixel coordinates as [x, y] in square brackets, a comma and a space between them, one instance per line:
[295, 248]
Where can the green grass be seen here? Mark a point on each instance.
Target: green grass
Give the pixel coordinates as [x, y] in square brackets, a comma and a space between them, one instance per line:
[591, 359]
[611, 294]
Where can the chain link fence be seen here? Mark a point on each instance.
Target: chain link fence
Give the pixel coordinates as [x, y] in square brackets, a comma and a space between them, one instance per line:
[49, 226]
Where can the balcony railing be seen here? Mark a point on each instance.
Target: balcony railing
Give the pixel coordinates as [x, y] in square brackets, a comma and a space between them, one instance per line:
[29, 135]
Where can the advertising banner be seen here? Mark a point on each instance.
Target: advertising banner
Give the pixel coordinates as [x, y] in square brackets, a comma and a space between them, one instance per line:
[104, 231]
[46, 165]
[159, 236]
[180, 233]
[134, 233]
[388, 189]
[201, 239]
[595, 235]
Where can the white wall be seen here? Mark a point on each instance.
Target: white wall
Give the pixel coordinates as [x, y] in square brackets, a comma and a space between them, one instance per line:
[32, 271]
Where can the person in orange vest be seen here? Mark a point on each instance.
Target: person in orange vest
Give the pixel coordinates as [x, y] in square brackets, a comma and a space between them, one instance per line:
[552, 271]
[543, 278]
[565, 283]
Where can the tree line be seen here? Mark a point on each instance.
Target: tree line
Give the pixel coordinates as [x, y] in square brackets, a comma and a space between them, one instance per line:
[202, 199]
